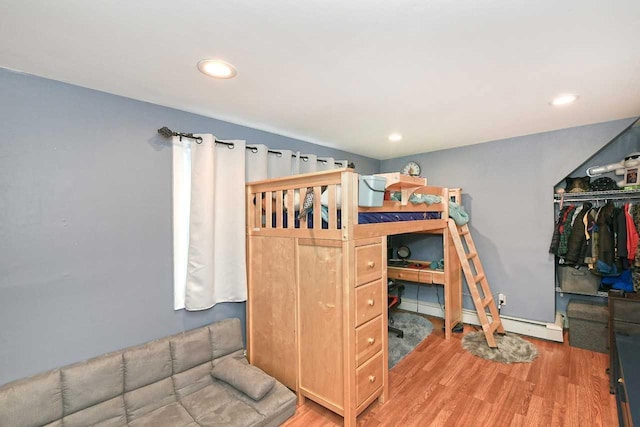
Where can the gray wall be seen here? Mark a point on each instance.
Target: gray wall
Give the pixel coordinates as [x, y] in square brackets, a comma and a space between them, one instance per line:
[85, 222]
[508, 191]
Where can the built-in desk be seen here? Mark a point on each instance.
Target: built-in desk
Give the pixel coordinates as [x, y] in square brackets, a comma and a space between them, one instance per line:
[419, 272]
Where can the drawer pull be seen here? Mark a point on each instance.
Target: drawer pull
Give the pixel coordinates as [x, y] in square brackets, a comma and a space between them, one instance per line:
[371, 340]
[371, 302]
[371, 264]
[372, 378]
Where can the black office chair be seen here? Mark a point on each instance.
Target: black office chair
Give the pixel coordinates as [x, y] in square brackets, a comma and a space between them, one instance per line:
[394, 301]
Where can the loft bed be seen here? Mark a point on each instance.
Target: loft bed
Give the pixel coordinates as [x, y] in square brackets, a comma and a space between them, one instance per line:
[317, 287]
[272, 212]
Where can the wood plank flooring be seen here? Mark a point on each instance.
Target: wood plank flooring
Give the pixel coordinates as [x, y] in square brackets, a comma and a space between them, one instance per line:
[440, 384]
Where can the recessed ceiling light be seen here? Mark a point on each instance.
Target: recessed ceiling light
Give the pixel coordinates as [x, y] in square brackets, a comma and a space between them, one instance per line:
[564, 99]
[395, 137]
[217, 68]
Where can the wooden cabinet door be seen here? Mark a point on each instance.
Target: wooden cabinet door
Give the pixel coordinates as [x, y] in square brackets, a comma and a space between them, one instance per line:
[320, 294]
[271, 307]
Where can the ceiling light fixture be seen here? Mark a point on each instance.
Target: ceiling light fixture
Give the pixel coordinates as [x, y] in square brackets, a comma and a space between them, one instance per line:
[217, 68]
[564, 99]
[395, 137]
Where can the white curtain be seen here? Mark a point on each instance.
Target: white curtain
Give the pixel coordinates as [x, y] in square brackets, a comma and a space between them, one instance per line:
[209, 223]
[209, 213]
[263, 163]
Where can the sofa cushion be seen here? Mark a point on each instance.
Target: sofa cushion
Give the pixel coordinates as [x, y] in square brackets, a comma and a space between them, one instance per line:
[192, 380]
[215, 406]
[278, 405]
[226, 337]
[246, 378]
[144, 400]
[146, 364]
[41, 394]
[171, 415]
[106, 414]
[190, 349]
[96, 380]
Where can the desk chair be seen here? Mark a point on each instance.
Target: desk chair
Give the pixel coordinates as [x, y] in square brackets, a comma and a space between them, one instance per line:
[394, 301]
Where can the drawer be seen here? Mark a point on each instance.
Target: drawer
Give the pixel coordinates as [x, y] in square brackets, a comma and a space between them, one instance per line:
[403, 274]
[369, 303]
[368, 340]
[368, 378]
[368, 263]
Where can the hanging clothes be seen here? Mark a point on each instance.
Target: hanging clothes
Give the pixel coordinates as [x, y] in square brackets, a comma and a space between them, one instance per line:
[620, 238]
[605, 264]
[635, 270]
[561, 231]
[592, 238]
[632, 234]
[577, 242]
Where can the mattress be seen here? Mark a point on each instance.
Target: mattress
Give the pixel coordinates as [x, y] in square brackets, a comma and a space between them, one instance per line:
[366, 218]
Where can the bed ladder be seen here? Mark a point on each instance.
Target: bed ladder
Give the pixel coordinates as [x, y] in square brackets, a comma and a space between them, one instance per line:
[476, 282]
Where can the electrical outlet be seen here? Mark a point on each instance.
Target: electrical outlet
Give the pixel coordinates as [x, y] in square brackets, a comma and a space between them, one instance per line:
[502, 300]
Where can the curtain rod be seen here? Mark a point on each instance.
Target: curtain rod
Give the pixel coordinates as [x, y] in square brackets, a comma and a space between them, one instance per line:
[168, 133]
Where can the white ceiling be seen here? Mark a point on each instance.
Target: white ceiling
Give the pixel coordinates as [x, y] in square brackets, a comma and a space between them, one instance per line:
[345, 74]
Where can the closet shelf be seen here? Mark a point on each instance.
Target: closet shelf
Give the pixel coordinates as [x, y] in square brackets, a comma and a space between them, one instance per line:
[597, 195]
[603, 294]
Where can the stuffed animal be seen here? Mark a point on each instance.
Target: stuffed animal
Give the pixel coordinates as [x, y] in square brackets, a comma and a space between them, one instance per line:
[628, 168]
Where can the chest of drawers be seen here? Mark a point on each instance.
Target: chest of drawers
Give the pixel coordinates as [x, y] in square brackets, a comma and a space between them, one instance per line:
[328, 335]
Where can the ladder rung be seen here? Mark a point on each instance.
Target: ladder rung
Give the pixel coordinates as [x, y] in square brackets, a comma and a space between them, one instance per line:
[471, 255]
[478, 278]
[464, 232]
[487, 301]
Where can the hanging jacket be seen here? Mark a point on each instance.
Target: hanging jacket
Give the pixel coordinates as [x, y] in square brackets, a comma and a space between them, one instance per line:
[635, 271]
[605, 263]
[561, 231]
[632, 234]
[620, 238]
[577, 242]
[590, 236]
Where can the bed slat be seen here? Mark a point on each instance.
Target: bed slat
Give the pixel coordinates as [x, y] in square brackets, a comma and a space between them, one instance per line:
[279, 209]
[333, 208]
[317, 209]
[268, 209]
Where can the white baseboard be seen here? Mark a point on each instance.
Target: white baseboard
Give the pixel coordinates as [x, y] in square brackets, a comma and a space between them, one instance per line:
[532, 328]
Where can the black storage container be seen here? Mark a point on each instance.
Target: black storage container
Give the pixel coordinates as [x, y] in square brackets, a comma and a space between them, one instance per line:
[588, 325]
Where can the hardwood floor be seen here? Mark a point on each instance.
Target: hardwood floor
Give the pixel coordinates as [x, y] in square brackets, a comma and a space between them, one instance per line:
[440, 384]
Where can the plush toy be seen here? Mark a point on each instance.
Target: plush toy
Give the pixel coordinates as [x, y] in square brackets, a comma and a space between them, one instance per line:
[628, 168]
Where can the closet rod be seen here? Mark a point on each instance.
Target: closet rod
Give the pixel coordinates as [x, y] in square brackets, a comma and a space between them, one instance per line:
[598, 199]
[168, 133]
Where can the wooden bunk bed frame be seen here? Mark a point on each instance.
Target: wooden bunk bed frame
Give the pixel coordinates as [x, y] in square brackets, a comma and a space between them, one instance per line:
[317, 295]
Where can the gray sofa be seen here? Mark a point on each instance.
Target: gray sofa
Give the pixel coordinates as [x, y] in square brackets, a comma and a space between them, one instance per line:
[167, 382]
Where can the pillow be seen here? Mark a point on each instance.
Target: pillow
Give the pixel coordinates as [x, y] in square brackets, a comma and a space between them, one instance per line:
[246, 378]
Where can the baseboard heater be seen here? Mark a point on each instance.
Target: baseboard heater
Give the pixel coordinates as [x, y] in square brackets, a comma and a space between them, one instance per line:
[532, 328]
